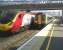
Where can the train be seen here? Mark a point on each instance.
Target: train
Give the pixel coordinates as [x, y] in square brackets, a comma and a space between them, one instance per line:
[39, 21]
[11, 21]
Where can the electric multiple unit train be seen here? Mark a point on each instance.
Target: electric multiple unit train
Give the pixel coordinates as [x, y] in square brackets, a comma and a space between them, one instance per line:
[14, 21]
[10, 21]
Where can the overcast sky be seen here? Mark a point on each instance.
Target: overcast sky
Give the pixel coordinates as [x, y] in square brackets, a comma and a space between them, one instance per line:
[31, 0]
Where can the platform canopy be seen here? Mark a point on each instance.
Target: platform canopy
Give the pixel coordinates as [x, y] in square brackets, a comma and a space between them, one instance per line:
[50, 13]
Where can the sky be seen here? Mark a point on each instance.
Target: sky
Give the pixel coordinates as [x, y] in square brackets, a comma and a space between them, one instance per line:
[38, 1]
[31, 0]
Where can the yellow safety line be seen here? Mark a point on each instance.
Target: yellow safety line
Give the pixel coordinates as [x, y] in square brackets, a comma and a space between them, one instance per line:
[47, 47]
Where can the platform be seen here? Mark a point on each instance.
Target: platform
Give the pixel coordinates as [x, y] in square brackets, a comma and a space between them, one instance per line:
[37, 40]
[56, 41]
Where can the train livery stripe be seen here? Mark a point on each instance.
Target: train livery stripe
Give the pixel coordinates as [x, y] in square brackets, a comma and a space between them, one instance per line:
[18, 22]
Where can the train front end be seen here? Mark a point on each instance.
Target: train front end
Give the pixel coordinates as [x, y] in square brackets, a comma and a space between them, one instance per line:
[6, 21]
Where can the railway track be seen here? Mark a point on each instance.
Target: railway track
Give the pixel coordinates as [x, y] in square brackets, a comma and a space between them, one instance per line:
[14, 41]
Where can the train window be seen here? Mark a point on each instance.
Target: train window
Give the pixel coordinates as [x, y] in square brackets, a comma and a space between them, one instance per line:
[40, 18]
[7, 16]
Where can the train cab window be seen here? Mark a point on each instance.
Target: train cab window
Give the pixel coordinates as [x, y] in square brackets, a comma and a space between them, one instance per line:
[7, 17]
